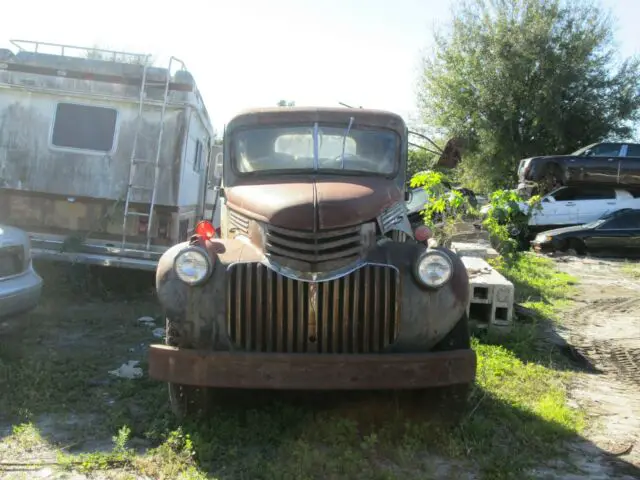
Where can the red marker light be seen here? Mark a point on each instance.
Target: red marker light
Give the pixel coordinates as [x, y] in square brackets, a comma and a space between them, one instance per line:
[205, 229]
[422, 233]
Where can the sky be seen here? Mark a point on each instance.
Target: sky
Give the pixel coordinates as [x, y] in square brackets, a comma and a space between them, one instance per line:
[252, 53]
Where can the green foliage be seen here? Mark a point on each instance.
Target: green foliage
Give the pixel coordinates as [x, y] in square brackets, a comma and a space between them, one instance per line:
[526, 77]
[286, 103]
[444, 208]
[507, 219]
[120, 456]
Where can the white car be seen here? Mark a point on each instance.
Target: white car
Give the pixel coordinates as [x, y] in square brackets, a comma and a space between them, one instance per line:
[569, 206]
[20, 285]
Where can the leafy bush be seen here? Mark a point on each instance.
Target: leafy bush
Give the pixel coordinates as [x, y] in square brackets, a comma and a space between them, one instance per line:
[506, 222]
[444, 208]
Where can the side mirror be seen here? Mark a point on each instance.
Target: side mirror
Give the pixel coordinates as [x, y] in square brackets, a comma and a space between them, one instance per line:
[588, 153]
[217, 171]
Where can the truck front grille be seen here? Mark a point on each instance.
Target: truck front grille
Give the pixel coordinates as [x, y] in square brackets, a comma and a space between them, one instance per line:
[267, 312]
[11, 261]
[344, 244]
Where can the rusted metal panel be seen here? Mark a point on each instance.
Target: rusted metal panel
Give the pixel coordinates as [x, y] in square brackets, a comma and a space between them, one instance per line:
[269, 312]
[40, 213]
[308, 371]
[321, 204]
[28, 161]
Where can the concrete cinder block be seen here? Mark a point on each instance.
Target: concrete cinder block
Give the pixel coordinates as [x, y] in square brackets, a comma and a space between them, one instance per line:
[480, 249]
[492, 295]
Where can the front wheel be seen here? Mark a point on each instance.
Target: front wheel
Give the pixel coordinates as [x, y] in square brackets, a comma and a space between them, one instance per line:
[186, 400]
[189, 401]
[577, 245]
[451, 401]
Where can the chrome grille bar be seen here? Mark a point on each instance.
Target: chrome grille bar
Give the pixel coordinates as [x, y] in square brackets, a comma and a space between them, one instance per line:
[358, 313]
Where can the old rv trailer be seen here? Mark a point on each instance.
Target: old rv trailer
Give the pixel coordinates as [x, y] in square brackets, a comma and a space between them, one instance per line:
[104, 158]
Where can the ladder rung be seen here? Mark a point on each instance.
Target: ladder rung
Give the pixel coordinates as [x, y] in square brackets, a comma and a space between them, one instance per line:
[138, 214]
[140, 187]
[144, 160]
[155, 82]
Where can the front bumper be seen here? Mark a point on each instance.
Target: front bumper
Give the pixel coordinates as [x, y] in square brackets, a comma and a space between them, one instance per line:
[20, 293]
[542, 247]
[302, 371]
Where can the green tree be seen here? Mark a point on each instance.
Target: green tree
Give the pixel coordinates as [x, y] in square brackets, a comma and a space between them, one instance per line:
[517, 78]
[286, 103]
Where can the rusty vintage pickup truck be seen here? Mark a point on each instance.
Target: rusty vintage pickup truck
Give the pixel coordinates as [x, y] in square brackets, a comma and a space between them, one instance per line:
[317, 280]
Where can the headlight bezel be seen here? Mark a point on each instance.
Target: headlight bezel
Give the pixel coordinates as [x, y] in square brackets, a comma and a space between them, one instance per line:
[424, 257]
[207, 260]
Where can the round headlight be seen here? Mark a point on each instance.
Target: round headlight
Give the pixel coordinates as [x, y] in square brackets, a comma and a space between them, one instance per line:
[192, 266]
[434, 269]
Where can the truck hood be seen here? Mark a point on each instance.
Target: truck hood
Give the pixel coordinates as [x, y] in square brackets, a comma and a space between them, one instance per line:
[314, 204]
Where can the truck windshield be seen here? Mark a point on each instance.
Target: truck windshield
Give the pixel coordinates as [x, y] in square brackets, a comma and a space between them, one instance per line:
[315, 147]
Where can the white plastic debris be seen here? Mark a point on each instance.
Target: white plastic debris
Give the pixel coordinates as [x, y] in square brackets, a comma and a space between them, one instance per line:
[147, 320]
[128, 370]
[158, 332]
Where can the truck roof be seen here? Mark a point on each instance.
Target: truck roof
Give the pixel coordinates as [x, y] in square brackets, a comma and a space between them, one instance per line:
[341, 115]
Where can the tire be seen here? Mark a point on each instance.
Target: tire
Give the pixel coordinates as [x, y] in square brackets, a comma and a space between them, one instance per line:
[186, 400]
[450, 401]
[577, 245]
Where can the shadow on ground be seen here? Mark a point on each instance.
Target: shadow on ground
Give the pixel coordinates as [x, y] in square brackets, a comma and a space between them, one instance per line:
[54, 365]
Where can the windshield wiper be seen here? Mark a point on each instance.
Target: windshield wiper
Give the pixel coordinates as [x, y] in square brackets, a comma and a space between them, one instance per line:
[344, 142]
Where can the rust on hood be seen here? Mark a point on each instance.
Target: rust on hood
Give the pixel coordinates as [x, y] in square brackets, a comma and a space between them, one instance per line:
[320, 203]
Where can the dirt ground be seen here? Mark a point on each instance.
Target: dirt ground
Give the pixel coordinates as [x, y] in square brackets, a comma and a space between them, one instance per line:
[602, 329]
[85, 403]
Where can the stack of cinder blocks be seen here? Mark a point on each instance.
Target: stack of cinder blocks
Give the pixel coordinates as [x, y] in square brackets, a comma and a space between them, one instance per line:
[491, 295]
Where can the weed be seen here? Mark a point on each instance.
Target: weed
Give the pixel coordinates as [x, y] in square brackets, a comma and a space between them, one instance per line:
[56, 362]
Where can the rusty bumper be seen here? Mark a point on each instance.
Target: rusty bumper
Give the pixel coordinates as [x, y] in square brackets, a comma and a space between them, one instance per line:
[291, 371]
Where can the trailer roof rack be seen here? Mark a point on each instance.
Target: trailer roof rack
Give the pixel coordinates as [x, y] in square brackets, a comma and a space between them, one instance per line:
[82, 52]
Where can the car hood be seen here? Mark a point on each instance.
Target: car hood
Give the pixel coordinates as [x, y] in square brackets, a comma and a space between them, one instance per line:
[323, 203]
[563, 230]
[12, 236]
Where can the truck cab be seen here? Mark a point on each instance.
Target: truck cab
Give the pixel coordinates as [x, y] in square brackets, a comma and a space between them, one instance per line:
[317, 280]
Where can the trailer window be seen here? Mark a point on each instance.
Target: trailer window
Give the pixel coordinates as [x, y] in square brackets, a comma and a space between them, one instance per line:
[84, 127]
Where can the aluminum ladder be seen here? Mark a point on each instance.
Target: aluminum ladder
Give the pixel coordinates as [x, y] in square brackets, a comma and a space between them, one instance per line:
[135, 160]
